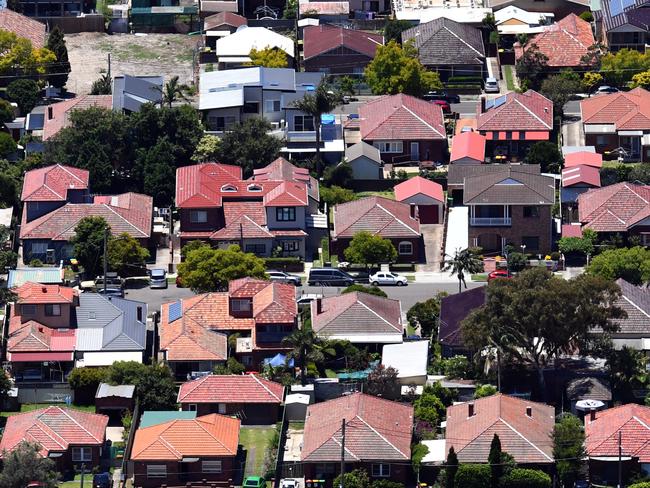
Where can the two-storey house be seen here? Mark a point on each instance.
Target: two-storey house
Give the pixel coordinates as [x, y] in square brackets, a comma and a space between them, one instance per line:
[623, 24]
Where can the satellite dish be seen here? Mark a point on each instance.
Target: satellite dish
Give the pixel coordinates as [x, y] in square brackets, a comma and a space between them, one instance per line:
[588, 405]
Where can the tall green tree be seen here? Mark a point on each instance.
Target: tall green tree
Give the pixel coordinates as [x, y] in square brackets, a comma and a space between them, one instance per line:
[494, 460]
[6, 112]
[19, 56]
[335, 195]
[207, 149]
[206, 269]
[25, 93]
[560, 89]
[102, 85]
[173, 91]
[156, 165]
[451, 468]
[126, 255]
[89, 244]
[366, 248]
[154, 383]
[306, 347]
[7, 145]
[627, 371]
[531, 65]
[58, 72]
[547, 155]
[620, 67]
[463, 262]
[383, 382]
[425, 315]
[394, 28]
[568, 448]
[631, 264]
[25, 465]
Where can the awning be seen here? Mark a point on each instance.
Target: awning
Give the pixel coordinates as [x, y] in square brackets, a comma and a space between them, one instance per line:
[610, 458]
[645, 140]
[630, 132]
[39, 357]
[600, 129]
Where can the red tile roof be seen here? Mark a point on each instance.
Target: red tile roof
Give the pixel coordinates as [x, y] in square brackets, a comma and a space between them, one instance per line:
[580, 175]
[614, 208]
[627, 110]
[129, 212]
[223, 18]
[527, 439]
[199, 185]
[37, 293]
[52, 183]
[207, 436]
[564, 42]
[286, 194]
[571, 230]
[61, 111]
[55, 429]
[528, 111]
[376, 430]
[419, 186]
[468, 145]
[377, 215]
[632, 421]
[247, 388]
[282, 170]
[23, 26]
[32, 337]
[583, 158]
[401, 117]
[321, 39]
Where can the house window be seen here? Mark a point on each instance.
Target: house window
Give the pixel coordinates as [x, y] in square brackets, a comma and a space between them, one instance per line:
[380, 470]
[246, 361]
[156, 471]
[255, 248]
[239, 305]
[531, 211]
[67, 251]
[405, 248]
[221, 124]
[325, 468]
[290, 245]
[139, 314]
[251, 107]
[28, 309]
[601, 140]
[389, 146]
[522, 135]
[272, 105]
[39, 248]
[191, 407]
[211, 466]
[82, 454]
[508, 135]
[531, 243]
[53, 310]
[645, 238]
[228, 188]
[198, 216]
[285, 214]
[222, 408]
[254, 188]
[303, 123]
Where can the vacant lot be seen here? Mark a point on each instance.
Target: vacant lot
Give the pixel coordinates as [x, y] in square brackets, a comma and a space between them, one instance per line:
[153, 54]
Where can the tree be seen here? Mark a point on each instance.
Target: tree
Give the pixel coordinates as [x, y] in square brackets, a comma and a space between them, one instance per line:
[316, 103]
[451, 469]
[568, 448]
[531, 65]
[587, 16]
[394, 28]
[618, 68]
[483, 391]
[173, 91]
[516, 262]
[640, 173]
[336, 195]
[428, 410]
[89, 243]
[463, 261]
[102, 85]
[305, 346]
[354, 479]
[473, 476]
[269, 57]
[7, 145]
[397, 69]
[347, 85]
[418, 453]
[25, 93]
[560, 89]
[206, 269]
[156, 165]
[425, 315]
[526, 478]
[24, 465]
[5, 385]
[126, 373]
[61, 70]
[536, 317]
[249, 145]
[371, 290]
[366, 248]
[494, 460]
[339, 175]
[590, 80]
[6, 112]
[126, 255]
[157, 390]
[547, 155]
[627, 371]
[290, 9]
[641, 80]
[87, 378]
[633, 265]
[232, 366]
[207, 150]
[382, 381]
[20, 57]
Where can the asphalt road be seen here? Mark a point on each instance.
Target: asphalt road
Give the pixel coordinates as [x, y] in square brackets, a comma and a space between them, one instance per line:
[408, 295]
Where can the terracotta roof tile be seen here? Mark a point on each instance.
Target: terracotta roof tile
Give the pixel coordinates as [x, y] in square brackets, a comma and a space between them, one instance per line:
[377, 215]
[614, 208]
[419, 186]
[580, 175]
[528, 111]
[37, 293]
[23, 26]
[61, 111]
[627, 110]
[633, 421]
[282, 170]
[579, 158]
[53, 182]
[320, 39]
[199, 185]
[247, 388]
[223, 18]
[468, 145]
[32, 336]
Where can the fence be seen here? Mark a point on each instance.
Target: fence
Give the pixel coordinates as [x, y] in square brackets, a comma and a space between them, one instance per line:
[279, 457]
[129, 444]
[73, 25]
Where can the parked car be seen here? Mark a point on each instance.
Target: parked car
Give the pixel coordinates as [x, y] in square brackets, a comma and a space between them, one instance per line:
[102, 480]
[491, 85]
[446, 108]
[158, 278]
[607, 89]
[254, 482]
[441, 95]
[305, 299]
[111, 291]
[283, 277]
[498, 273]
[288, 483]
[388, 278]
[329, 277]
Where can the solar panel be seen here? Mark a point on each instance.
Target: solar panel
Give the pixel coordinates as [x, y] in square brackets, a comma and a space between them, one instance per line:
[489, 104]
[175, 311]
[500, 101]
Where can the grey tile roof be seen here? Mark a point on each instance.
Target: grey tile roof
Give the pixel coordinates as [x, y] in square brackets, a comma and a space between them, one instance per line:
[105, 390]
[589, 388]
[362, 149]
[445, 42]
[453, 310]
[458, 172]
[635, 300]
[511, 187]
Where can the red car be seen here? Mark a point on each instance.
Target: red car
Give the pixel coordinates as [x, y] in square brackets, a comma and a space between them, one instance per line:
[444, 105]
[499, 273]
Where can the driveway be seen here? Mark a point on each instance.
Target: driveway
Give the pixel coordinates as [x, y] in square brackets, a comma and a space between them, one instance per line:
[572, 134]
[432, 236]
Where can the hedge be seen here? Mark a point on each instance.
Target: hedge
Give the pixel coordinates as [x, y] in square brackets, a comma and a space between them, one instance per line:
[465, 79]
[461, 86]
[473, 476]
[526, 478]
[286, 264]
[643, 484]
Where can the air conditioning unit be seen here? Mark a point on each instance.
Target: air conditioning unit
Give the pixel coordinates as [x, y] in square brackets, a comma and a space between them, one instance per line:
[50, 258]
[275, 125]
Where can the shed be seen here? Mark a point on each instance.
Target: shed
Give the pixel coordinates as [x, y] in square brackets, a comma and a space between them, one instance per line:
[427, 195]
[305, 390]
[409, 359]
[296, 407]
[44, 276]
[365, 161]
[113, 400]
[468, 148]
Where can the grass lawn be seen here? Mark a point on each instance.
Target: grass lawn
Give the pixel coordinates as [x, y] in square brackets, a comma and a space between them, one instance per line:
[76, 483]
[386, 194]
[510, 82]
[256, 441]
[479, 277]
[616, 164]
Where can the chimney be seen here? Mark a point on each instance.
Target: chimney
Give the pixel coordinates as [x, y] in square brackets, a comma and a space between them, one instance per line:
[44, 289]
[470, 409]
[482, 104]
[50, 113]
[592, 415]
[319, 306]
[529, 412]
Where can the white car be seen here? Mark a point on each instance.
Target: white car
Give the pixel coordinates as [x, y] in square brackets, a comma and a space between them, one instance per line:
[491, 85]
[387, 278]
[306, 298]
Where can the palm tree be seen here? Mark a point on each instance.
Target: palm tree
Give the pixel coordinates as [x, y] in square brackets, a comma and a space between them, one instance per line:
[463, 261]
[306, 346]
[172, 91]
[321, 101]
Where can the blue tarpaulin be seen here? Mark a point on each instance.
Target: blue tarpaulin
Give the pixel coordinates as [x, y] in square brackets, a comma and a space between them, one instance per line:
[278, 360]
[327, 119]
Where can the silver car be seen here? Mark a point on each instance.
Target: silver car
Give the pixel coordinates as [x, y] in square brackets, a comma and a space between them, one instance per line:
[491, 85]
[158, 278]
[387, 278]
[283, 277]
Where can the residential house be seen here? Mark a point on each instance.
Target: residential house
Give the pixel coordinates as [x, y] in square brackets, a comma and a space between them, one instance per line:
[617, 209]
[467, 148]
[404, 128]
[513, 20]
[378, 436]
[193, 331]
[410, 359]
[233, 51]
[157, 417]
[360, 318]
[210, 8]
[586, 158]
[448, 47]
[23, 26]
[325, 11]
[48, 237]
[249, 397]
[576, 180]
[457, 173]
[564, 43]
[428, 196]
[453, 310]
[513, 122]
[219, 25]
[524, 428]
[365, 161]
[623, 24]
[68, 437]
[618, 123]
[131, 92]
[183, 451]
[43, 275]
[217, 205]
[559, 8]
[57, 115]
[593, 388]
[380, 216]
[334, 49]
[627, 426]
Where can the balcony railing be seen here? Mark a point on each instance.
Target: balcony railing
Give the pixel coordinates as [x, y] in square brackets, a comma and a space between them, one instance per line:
[301, 136]
[271, 337]
[490, 221]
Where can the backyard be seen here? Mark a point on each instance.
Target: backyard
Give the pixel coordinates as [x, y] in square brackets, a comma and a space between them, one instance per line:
[256, 440]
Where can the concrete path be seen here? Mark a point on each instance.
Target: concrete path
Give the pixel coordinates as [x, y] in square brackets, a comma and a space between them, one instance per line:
[457, 230]
[572, 134]
[432, 237]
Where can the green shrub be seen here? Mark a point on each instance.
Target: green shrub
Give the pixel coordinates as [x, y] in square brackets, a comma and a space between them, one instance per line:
[86, 377]
[464, 79]
[472, 476]
[587, 16]
[461, 86]
[643, 484]
[292, 263]
[526, 478]
[386, 484]
[325, 246]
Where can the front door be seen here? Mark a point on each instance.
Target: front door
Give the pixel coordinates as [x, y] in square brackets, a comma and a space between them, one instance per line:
[415, 151]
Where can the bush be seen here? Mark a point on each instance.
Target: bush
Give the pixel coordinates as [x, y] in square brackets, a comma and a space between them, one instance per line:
[457, 367]
[386, 484]
[473, 476]
[290, 263]
[36, 263]
[485, 391]
[464, 79]
[325, 246]
[643, 484]
[587, 16]
[7, 145]
[526, 478]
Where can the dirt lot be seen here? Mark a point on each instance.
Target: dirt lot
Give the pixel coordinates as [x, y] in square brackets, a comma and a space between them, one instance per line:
[152, 54]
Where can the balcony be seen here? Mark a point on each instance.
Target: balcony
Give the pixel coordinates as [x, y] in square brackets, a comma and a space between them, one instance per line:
[317, 221]
[301, 136]
[270, 337]
[490, 221]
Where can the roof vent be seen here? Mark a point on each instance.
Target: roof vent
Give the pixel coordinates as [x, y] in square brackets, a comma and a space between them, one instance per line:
[470, 409]
[529, 412]
[44, 289]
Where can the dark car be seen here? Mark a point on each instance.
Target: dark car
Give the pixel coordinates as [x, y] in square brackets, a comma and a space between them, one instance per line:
[441, 95]
[329, 277]
[102, 480]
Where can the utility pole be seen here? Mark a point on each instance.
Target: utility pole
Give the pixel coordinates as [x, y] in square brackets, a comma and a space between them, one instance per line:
[81, 482]
[105, 257]
[620, 459]
[109, 65]
[342, 452]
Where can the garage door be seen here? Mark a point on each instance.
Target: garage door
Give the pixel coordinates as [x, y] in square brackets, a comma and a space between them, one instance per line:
[428, 214]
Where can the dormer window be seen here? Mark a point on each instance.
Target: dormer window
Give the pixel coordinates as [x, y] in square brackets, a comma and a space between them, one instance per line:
[52, 310]
[240, 304]
[254, 187]
[228, 188]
